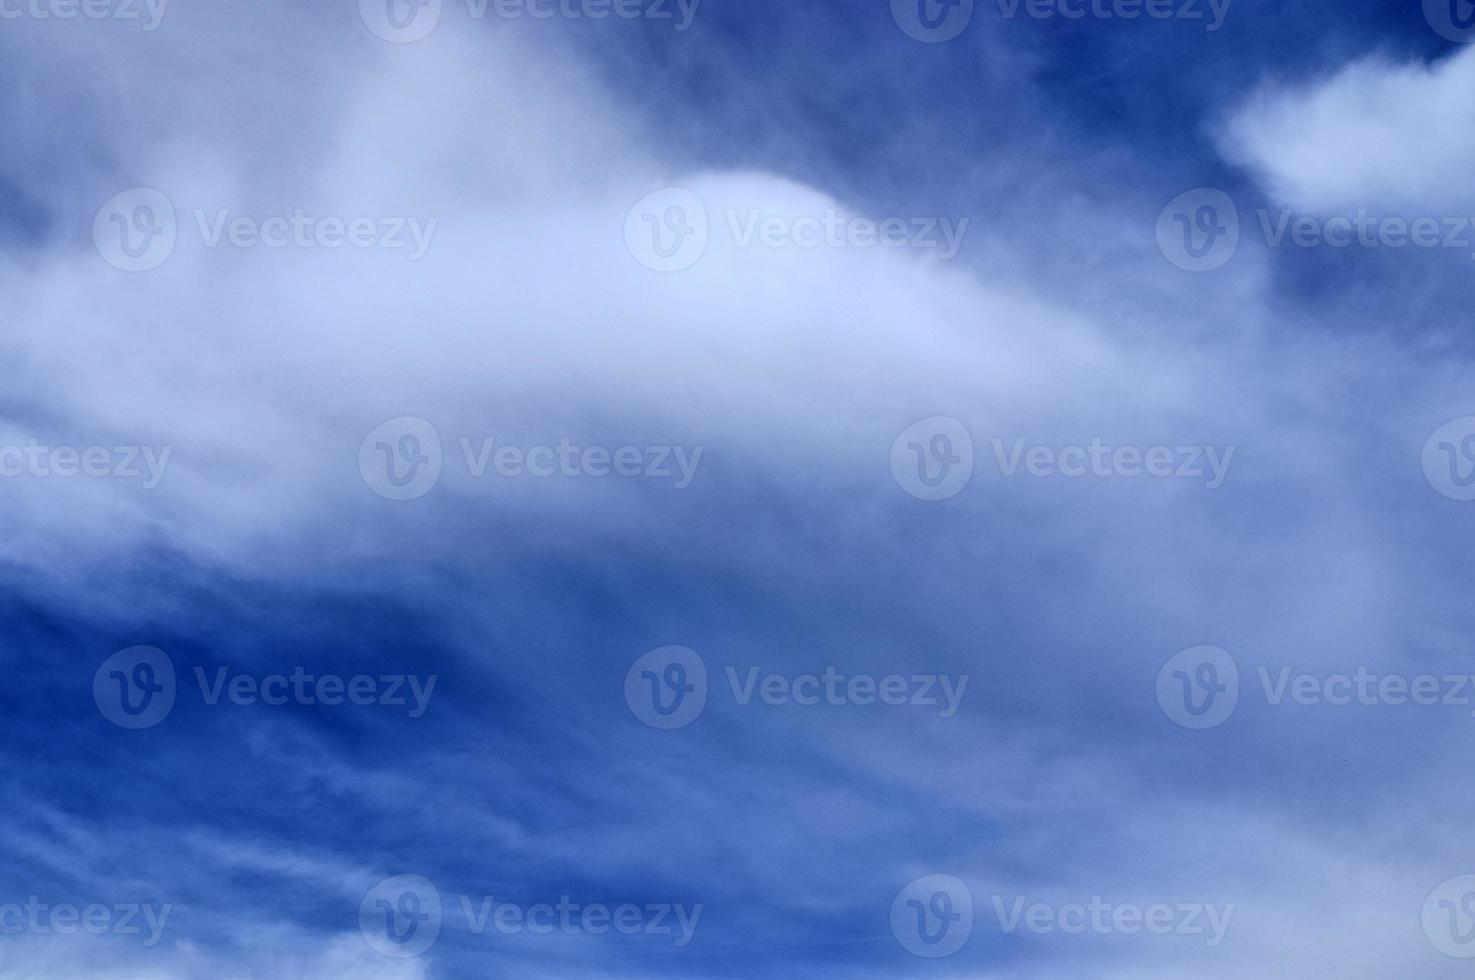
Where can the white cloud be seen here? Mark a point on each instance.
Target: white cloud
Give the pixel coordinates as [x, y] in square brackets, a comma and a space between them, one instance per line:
[1379, 135]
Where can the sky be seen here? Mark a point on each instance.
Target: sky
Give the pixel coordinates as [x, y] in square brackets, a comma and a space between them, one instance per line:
[725, 488]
